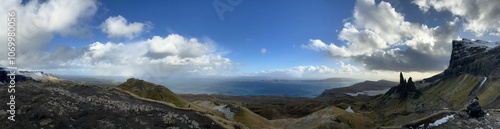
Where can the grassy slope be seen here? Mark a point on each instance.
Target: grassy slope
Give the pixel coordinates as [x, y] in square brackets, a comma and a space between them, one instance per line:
[330, 117]
[246, 117]
[152, 91]
[453, 92]
[449, 93]
[252, 120]
[490, 93]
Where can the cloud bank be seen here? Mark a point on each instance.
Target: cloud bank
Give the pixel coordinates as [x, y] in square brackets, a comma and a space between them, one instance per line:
[313, 72]
[380, 38]
[181, 57]
[38, 22]
[481, 16]
[343, 70]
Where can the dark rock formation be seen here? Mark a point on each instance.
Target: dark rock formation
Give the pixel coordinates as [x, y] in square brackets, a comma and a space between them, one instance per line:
[411, 86]
[474, 57]
[404, 90]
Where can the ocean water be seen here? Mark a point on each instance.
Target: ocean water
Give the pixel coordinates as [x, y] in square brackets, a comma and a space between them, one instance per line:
[292, 88]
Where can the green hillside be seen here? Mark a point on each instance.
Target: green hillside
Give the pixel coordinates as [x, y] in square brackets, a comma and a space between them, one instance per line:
[152, 91]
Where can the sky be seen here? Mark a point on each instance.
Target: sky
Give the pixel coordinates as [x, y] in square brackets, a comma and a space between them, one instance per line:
[300, 39]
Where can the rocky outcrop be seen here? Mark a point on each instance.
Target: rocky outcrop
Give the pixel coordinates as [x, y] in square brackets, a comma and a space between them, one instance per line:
[404, 90]
[457, 120]
[70, 105]
[475, 57]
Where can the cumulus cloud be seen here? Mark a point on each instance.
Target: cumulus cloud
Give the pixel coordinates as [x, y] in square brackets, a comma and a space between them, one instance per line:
[381, 39]
[38, 22]
[332, 49]
[182, 57]
[175, 44]
[481, 16]
[118, 27]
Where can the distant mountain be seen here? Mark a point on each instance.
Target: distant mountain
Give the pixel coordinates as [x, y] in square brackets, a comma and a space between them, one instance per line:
[310, 80]
[93, 80]
[25, 75]
[334, 80]
[358, 87]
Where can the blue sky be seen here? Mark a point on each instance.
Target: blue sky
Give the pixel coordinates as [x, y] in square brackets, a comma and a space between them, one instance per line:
[290, 39]
[280, 27]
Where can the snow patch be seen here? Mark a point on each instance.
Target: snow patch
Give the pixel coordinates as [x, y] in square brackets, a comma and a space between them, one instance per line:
[349, 109]
[226, 110]
[482, 82]
[479, 43]
[441, 121]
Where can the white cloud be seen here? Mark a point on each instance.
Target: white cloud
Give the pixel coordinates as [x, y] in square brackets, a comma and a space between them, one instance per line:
[348, 67]
[481, 16]
[98, 52]
[263, 51]
[312, 72]
[118, 27]
[344, 70]
[133, 59]
[38, 22]
[334, 50]
[378, 28]
[175, 44]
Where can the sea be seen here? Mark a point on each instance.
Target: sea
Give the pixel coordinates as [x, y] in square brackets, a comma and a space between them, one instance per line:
[255, 87]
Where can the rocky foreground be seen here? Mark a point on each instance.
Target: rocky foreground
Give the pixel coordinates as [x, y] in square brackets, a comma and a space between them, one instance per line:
[462, 121]
[457, 120]
[69, 105]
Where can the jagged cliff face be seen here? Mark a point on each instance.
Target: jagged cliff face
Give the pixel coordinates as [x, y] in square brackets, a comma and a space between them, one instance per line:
[476, 57]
